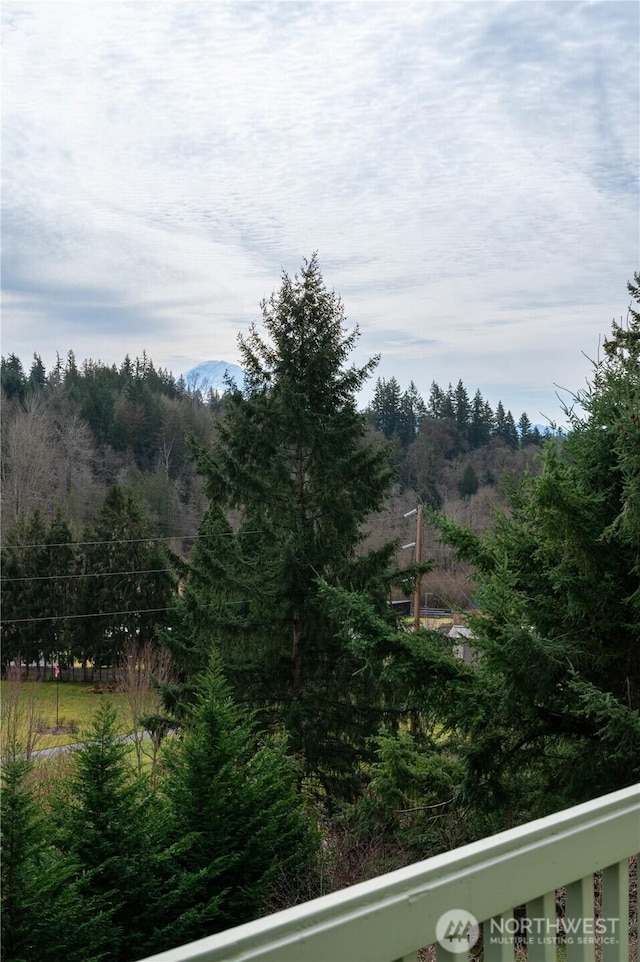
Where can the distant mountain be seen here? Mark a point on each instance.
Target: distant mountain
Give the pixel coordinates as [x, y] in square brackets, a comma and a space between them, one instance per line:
[211, 375]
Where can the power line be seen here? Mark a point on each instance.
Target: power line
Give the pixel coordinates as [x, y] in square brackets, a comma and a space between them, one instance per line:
[174, 537]
[103, 614]
[94, 614]
[91, 574]
[80, 544]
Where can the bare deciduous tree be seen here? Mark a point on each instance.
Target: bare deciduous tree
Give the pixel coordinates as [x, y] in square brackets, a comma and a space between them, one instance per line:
[20, 714]
[75, 455]
[141, 669]
[28, 459]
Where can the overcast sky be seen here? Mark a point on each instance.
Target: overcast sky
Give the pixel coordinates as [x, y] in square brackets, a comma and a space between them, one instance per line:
[467, 172]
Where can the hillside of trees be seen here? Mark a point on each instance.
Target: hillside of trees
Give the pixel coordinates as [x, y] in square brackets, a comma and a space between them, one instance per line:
[312, 734]
[72, 434]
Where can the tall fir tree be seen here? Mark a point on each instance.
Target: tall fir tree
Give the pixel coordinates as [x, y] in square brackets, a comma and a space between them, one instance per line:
[13, 380]
[25, 565]
[481, 421]
[291, 457]
[386, 406]
[129, 581]
[525, 430]
[462, 407]
[59, 590]
[448, 409]
[558, 584]
[412, 413]
[436, 400]
[510, 435]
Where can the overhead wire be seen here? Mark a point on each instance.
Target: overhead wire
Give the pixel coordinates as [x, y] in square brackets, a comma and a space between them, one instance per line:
[92, 614]
[128, 572]
[90, 574]
[80, 544]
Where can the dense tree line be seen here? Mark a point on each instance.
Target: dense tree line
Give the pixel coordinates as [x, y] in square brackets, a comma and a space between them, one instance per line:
[400, 415]
[71, 433]
[84, 600]
[437, 446]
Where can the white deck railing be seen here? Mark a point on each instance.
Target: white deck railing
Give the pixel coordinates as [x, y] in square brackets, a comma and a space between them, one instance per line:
[390, 917]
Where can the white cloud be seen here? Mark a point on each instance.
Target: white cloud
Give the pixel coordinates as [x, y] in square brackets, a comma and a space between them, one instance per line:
[470, 170]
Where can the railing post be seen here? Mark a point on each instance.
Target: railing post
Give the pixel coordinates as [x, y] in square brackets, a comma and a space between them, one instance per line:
[579, 921]
[615, 912]
[497, 940]
[541, 941]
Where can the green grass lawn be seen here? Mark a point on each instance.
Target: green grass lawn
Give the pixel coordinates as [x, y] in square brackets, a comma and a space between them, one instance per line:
[68, 706]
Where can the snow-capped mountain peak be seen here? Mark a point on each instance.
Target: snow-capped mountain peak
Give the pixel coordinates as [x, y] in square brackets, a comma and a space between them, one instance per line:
[210, 375]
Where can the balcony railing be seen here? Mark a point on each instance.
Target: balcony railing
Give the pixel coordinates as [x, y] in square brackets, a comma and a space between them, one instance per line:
[437, 902]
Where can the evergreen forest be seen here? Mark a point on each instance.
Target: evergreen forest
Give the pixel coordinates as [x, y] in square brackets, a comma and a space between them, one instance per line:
[238, 554]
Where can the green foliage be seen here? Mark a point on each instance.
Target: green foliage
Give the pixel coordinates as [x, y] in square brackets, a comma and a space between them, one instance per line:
[505, 426]
[237, 818]
[47, 912]
[291, 457]
[25, 561]
[558, 584]
[395, 414]
[119, 870]
[416, 785]
[62, 599]
[131, 579]
[468, 483]
[113, 828]
[13, 377]
[385, 406]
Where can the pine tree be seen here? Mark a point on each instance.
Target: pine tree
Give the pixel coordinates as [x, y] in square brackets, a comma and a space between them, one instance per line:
[14, 381]
[291, 457]
[111, 825]
[412, 413]
[129, 580]
[24, 565]
[58, 591]
[499, 428]
[386, 406]
[468, 483]
[47, 911]
[558, 585]
[37, 374]
[448, 408]
[462, 407]
[481, 421]
[510, 435]
[238, 826]
[436, 399]
[525, 430]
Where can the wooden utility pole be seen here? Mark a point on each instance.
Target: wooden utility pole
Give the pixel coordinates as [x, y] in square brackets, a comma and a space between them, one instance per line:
[418, 587]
